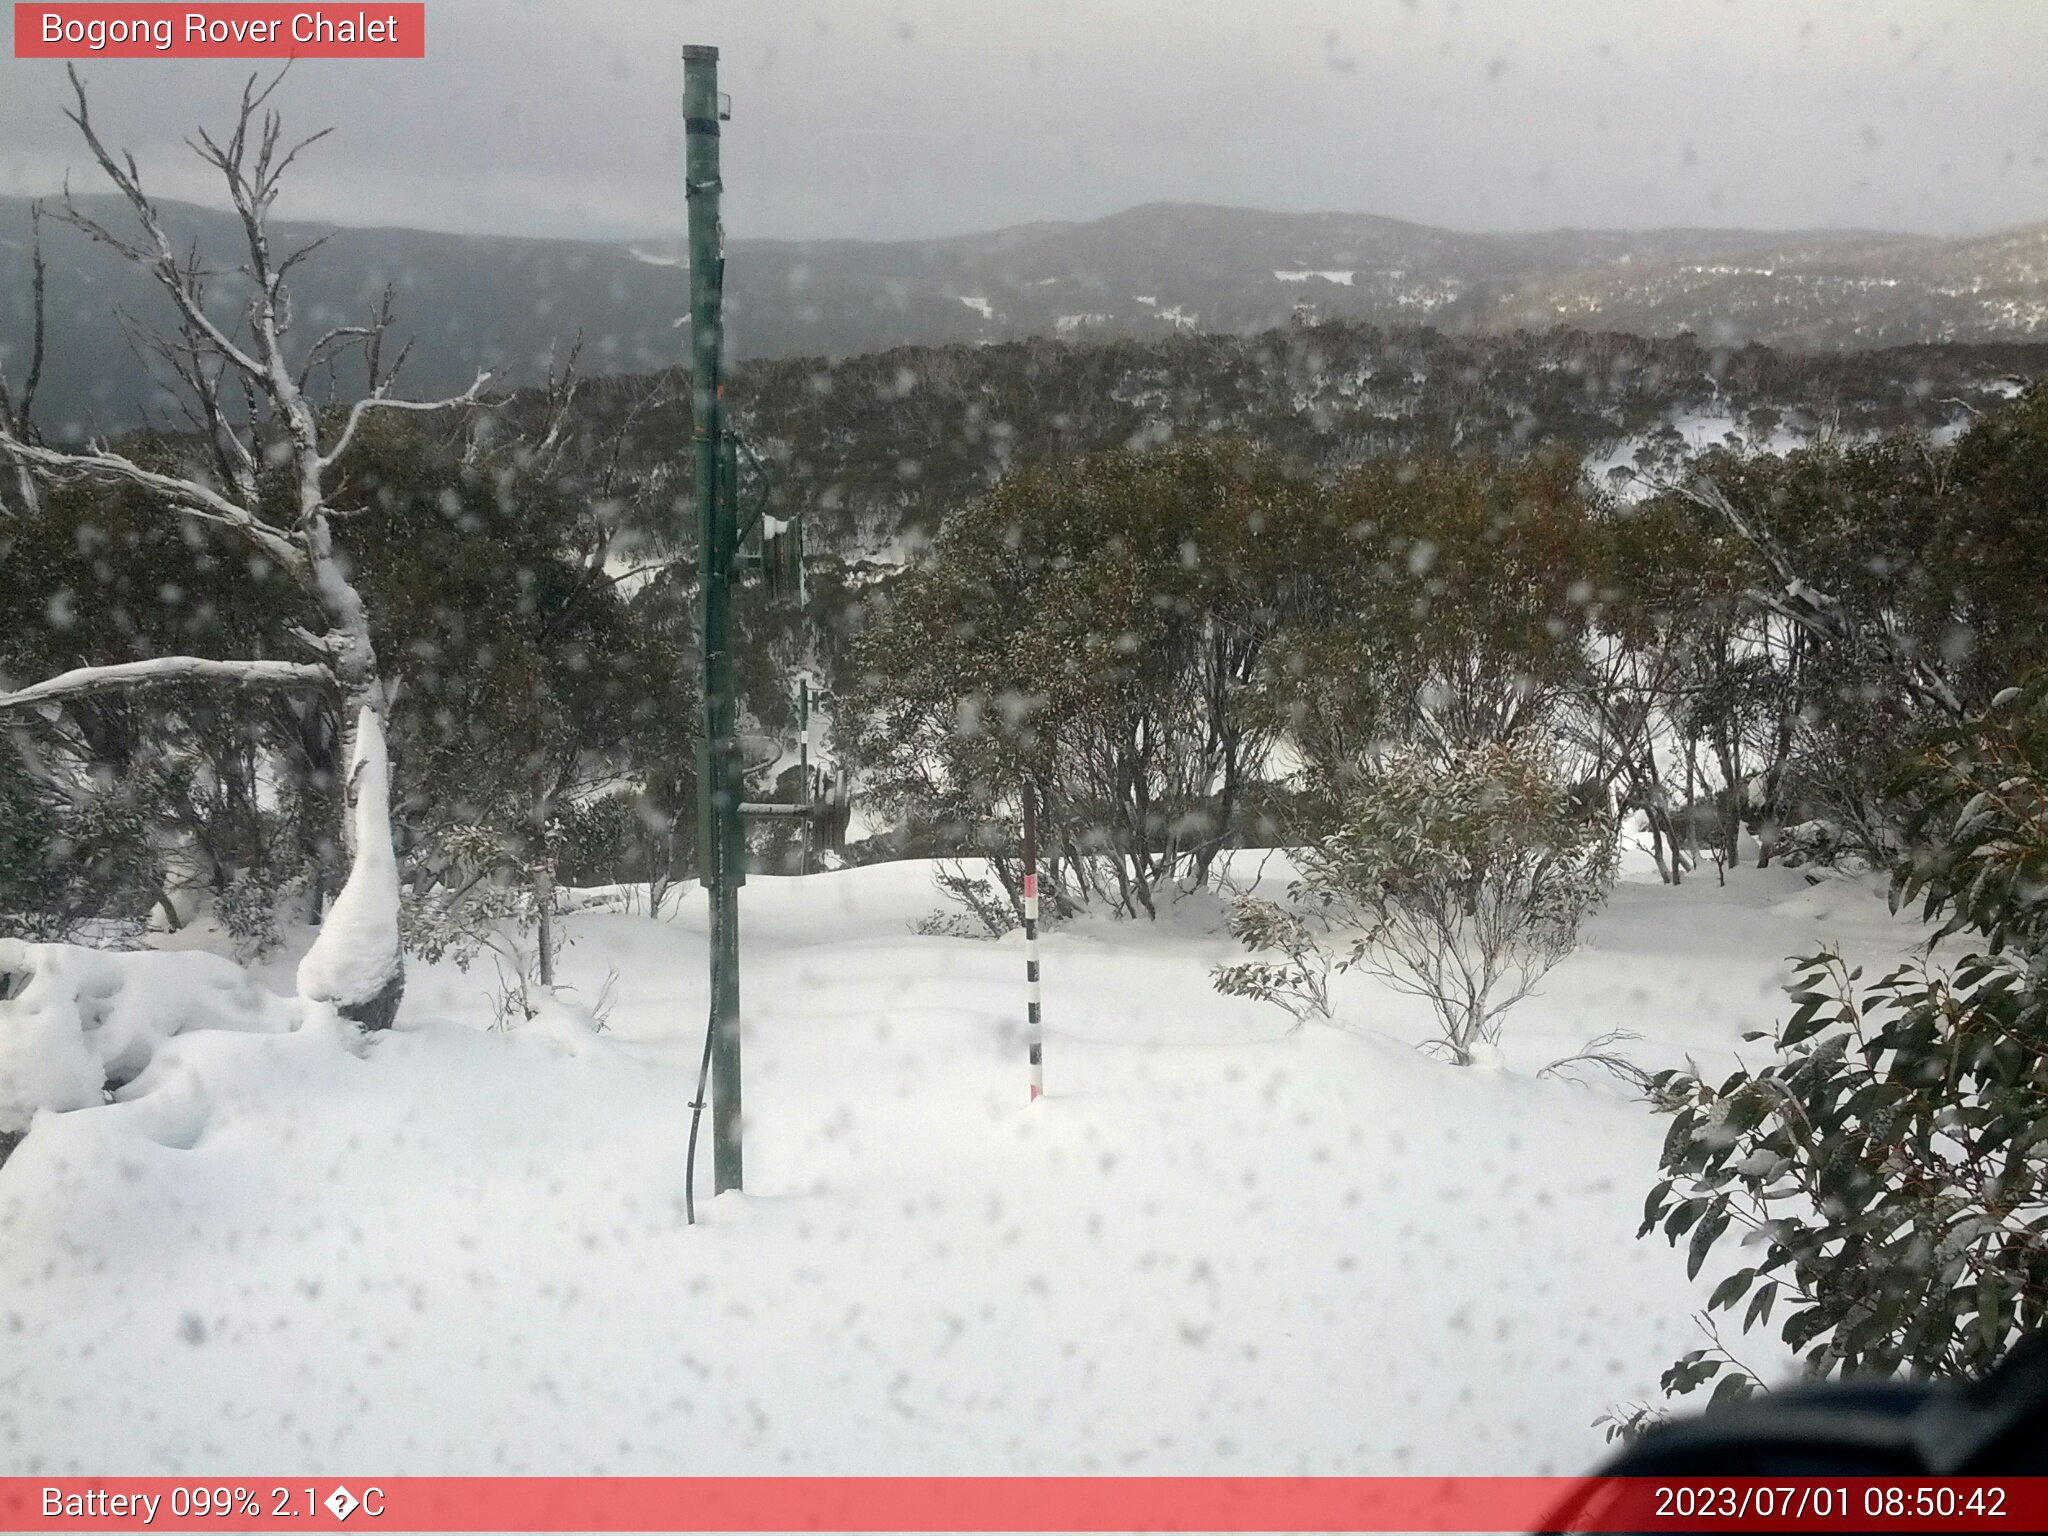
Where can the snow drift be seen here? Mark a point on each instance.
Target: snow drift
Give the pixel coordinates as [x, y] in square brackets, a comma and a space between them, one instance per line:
[1221, 1245]
[76, 1022]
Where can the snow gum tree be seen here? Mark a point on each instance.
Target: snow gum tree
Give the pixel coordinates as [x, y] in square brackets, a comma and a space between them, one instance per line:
[1877, 594]
[1094, 627]
[1688, 704]
[1455, 602]
[263, 480]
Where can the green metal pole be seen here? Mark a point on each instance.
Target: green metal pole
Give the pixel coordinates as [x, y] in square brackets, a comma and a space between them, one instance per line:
[717, 780]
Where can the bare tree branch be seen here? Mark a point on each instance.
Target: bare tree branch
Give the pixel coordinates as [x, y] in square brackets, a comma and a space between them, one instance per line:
[333, 342]
[382, 402]
[373, 347]
[187, 496]
[38, 275]
[200, 369]
[160, 260]
[17, 421]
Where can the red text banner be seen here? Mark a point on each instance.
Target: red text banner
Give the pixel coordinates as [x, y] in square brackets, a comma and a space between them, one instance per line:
[918, 1504]
[119, 31]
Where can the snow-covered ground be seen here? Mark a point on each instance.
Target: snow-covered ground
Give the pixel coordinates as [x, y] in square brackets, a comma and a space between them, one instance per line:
[1219, 1245]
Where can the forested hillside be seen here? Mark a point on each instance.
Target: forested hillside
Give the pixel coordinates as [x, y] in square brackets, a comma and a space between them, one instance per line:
[579, 562]
[1152, 272]
[876, 450]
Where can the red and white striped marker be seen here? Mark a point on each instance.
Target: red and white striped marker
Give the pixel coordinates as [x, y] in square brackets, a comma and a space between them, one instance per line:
[1037, 1032]
[1031, 976]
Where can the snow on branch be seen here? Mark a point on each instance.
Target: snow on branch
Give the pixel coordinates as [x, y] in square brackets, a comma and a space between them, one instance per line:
[160, 671]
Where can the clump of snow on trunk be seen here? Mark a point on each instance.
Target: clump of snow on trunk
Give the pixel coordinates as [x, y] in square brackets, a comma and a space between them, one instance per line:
[355, 963]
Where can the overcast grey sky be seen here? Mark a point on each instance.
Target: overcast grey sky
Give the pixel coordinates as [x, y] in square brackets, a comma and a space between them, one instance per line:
[881, 118]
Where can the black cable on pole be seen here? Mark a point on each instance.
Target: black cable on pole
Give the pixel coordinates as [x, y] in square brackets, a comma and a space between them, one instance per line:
[703, 1085]
[703, 1072]
[696, 1119]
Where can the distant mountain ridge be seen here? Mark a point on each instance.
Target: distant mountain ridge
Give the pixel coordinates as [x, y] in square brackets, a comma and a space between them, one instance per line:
[510, 303]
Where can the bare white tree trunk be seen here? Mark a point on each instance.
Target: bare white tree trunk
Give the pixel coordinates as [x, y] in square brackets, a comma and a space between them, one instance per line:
[356, 963]
[544, 908]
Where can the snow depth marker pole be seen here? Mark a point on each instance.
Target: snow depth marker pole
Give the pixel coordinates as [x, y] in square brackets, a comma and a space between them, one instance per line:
[1031, 939]
[803, 758]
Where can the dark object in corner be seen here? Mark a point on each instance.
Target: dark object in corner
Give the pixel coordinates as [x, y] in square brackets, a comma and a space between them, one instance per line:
[1995, 1427]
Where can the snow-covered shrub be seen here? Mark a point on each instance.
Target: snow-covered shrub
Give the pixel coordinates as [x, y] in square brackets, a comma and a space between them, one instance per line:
[72, 850]
[1892, 1163]
[489, 897]
[600, 840]
[481, 905]
[1818, 841]
[1465, 878]
[460, 892]
[1299, 981]
[984, 910]
[75, 1022]
[248, 909]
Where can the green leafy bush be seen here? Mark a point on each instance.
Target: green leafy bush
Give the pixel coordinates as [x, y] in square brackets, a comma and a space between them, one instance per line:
[1889, 1165]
